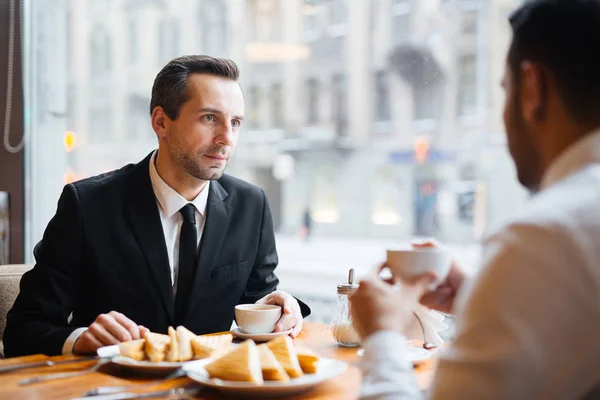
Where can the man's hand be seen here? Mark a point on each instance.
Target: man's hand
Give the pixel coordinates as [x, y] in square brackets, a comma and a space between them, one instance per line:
[442, 298]
[378, 306]
[291, 317]
[106, 330]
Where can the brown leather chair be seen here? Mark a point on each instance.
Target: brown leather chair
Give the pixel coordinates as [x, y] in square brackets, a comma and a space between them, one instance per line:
[10, 276]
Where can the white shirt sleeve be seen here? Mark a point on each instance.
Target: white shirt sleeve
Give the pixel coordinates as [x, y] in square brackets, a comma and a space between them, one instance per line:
[387, 374]
[523, 330]
[67, 349]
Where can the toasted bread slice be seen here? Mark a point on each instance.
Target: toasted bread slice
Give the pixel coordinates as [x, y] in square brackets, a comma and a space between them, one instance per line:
[156, 346]
[285, 352]
[308, 360]
[240, 364]
[206, 346]
[271, 368]
[185, 336]
[133, 349]
[173, 347]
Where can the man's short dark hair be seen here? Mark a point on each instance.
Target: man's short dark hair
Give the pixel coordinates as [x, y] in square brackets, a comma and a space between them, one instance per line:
[170, 86]
[564, 37]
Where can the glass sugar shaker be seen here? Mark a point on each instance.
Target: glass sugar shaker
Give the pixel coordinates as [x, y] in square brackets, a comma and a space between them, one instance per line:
[343, 331]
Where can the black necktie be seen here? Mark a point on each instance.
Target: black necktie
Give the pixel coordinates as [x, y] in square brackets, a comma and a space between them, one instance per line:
[188, 239]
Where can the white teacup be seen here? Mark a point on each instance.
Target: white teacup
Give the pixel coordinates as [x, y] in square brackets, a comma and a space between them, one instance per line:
[257, 318]
[406, 264]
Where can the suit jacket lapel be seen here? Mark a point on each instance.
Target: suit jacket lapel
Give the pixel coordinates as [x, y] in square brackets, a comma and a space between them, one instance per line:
[143, 214]
[218, 214]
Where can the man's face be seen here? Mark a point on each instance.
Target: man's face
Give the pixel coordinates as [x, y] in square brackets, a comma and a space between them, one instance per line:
[202, 139]
[519, 134]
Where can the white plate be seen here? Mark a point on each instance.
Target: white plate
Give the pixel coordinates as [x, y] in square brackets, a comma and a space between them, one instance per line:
[112, 352]
[416, 355]
[258, 337]
[327, 368]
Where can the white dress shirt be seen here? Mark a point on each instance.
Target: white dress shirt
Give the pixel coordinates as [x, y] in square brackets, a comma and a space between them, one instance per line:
[528, 324]
[169, 202]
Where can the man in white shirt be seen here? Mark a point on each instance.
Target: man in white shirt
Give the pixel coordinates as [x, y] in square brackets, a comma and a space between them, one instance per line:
[169, 241]
[528, 323]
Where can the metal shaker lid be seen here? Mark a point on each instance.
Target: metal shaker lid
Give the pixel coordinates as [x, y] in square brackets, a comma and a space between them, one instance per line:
[347, 288]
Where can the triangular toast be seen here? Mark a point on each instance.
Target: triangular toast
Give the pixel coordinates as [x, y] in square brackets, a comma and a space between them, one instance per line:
[173, 347]
[156, 346]
[285, 352]
[133, 349]
[308, 360]
[271, 368]
[185, 336]
[206, 346]
[240, 364]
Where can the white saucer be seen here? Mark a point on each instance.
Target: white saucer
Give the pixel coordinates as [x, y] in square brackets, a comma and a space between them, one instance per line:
[416, 355]
[258, 337]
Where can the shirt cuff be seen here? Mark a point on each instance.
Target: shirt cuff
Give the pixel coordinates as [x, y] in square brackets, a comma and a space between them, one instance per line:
[67, 349]
[387, 372]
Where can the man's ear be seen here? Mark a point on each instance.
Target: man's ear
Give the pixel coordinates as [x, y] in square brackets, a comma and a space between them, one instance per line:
[533, 91]
[160, 122]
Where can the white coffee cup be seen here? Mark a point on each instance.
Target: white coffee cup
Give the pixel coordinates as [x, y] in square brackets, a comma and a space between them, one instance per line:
[257, 318]
[405, 264]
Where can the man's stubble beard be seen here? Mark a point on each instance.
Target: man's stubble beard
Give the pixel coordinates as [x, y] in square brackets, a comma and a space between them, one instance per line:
[191, 165]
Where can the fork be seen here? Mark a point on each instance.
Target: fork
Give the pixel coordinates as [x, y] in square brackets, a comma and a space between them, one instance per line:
[102, 390]
[62, 375]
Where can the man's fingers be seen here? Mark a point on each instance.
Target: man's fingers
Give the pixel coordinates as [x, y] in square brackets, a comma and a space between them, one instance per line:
[297, 329]
[110, 324]
[86, 343]
[285, 323]
[102, 335]
[143, 330]
[128, 324]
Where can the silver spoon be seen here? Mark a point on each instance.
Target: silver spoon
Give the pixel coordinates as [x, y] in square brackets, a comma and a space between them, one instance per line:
[426, 345]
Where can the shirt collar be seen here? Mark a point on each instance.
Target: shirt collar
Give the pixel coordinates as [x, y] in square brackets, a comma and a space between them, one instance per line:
[581, 153]
[169, 200]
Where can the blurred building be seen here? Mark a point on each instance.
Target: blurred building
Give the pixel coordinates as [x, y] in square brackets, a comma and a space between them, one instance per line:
[381, 116]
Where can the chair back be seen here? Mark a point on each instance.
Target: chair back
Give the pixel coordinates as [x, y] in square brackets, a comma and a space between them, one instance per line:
[10, 277]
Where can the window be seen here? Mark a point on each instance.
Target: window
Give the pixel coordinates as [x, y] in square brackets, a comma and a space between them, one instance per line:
[467, 85]
[401, 7]
[382, 97]
[353, 158]
[338, 12]
[100, 49]
[277, 103]
[133, 49]
[339, 106]
[427, 101]
[214, 27]
[99, 128]
[401, 29]
[469, 23]
[139, 127]
[266, 20]
[312, 88]
[168, 41]
[254, 107]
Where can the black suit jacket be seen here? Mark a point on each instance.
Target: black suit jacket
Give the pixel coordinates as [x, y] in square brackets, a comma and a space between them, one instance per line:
[105, 250]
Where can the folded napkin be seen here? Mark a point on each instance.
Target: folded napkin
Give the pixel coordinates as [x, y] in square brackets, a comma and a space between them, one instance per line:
[432, 322]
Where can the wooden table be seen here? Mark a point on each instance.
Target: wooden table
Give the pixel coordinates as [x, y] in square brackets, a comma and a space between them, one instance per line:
[317, 337]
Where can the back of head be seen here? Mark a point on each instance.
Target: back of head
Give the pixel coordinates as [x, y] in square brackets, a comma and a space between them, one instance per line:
[564, 37]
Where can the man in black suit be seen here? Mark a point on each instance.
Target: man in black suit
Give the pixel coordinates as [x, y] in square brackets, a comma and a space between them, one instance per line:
[169, 241]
